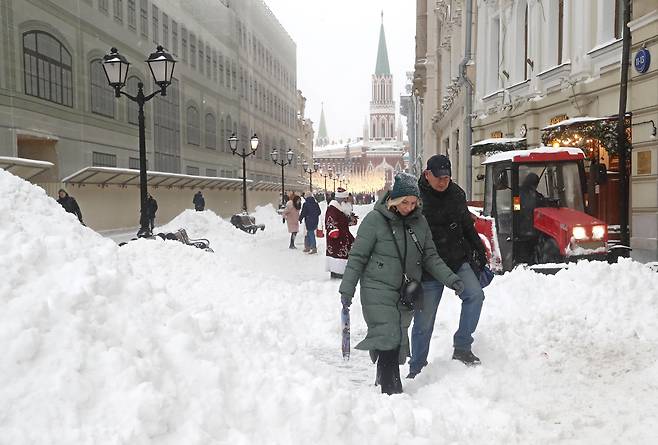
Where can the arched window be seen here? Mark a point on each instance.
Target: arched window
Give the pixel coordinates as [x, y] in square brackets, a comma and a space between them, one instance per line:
[193, 134]
[383, 135]
[167, 126]
[133, 109]
[102, 96]
[47, 68]
[211, 131]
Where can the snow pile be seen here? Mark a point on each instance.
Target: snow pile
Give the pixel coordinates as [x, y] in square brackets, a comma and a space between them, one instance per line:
[160, 343]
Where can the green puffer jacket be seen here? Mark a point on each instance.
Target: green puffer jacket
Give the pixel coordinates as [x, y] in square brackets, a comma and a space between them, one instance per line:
[374, 262]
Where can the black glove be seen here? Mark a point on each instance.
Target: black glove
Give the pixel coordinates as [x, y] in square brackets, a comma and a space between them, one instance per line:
[345, 301]
[458, 287]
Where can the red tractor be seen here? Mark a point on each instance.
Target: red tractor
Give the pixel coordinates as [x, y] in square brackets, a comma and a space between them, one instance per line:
[534, 210]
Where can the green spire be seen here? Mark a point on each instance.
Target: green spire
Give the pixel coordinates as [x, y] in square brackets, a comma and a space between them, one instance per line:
[322, 139]
[382, 54]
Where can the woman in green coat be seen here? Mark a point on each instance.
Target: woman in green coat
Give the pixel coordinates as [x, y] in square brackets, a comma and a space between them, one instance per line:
[375, 262]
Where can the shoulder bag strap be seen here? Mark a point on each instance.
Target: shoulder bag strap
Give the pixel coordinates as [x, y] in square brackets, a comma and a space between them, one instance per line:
[402, 260]
[413, 237]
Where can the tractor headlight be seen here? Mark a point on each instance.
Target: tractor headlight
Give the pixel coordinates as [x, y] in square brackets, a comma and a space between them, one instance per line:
[598, 232]
[579, 233]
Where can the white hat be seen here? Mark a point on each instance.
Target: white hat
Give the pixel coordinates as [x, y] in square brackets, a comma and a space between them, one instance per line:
[341, 193]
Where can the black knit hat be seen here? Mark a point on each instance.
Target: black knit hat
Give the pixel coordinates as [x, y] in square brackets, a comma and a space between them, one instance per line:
[405, 185]
[439, 165]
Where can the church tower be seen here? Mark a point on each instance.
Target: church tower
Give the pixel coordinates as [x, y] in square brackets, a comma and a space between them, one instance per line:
[322, 139]
[382, 106]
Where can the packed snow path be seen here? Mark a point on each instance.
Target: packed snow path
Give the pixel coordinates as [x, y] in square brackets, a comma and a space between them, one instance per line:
[160, 343]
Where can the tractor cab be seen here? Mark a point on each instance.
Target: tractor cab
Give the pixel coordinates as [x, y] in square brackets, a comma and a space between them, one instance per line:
[534, 210]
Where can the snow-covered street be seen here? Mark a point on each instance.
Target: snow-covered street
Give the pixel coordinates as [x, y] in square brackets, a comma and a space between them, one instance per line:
[156, 342]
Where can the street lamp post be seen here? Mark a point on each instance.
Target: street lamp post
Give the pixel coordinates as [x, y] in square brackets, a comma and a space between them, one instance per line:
[310, 169]
[325, 176]
[116, 67]
[233, 144]
[283, 162]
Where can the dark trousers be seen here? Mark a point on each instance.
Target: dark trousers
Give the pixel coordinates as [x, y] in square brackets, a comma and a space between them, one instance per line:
[388, 372]
[151, 222]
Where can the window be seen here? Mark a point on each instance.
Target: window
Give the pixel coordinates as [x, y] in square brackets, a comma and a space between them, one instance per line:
[132, 17]
[208, 66]
[192, 50]
[102, 96]
[190, 170]
[525, 43]
[102, 6]
[234, 76]
[118, 10]
[166, 120]
[211, 172]
[227, 133]
[174, 38]
[165, 30]
[47, 68]
[619, 18]
[144, 17]
[133, 109]
[133, 163]
[560, 30]
[103, 159]
[183, 43]
[193, 135]
[221, 69]
[201, 58]
[211, 131]
[156, 26]
[214, 65]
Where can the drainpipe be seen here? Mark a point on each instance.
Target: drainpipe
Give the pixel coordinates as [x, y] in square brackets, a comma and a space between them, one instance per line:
[468, 99]
[621, 127]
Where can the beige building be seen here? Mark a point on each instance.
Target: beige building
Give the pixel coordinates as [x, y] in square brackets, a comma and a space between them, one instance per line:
[542, 70]
[236, 73]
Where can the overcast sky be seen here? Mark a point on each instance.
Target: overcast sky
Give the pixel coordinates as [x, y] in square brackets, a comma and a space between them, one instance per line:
[337, 51]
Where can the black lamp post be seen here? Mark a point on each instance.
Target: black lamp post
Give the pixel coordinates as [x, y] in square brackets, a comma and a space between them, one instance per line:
[233, 143]
[283, 162]
[161, 65]
[325, 176]
[310, 169]
[333, 177]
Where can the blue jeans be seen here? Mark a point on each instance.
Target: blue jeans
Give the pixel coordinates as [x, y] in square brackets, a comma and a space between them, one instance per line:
[423, 326]
[310, 239]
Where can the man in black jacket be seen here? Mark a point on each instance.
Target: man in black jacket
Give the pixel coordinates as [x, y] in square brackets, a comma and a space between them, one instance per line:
[151, 208]
[459, 245]
[70, 204]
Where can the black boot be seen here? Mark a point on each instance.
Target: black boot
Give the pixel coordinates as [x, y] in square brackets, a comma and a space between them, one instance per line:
[292, 240]
[466, 357]
[388, 371]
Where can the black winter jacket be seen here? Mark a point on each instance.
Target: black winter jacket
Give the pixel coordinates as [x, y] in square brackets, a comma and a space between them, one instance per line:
[71, 206]
[451, 224]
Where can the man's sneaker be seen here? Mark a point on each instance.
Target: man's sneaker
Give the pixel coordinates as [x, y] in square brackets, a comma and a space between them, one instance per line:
[412, 374]
[466, 357]
[306, 249]
[312, 251]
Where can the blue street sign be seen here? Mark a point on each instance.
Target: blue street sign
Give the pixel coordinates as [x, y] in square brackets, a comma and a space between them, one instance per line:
[642, 60]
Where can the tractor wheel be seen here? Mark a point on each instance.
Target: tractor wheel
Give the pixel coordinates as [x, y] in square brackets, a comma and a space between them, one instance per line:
[548, 251]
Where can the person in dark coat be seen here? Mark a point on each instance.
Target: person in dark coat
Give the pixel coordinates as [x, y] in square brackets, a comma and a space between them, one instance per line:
[70, 204]
[376, 262]
[458, 244]
[199, 202]
[151, 208]
[310, 214]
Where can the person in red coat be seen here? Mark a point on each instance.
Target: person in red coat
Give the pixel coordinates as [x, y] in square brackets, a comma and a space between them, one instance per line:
[339, 238]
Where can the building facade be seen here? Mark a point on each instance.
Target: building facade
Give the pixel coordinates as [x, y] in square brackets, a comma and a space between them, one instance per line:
[541, 72]
[236, 73]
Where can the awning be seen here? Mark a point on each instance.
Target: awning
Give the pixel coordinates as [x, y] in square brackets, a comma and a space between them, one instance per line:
[575, 121]
[497, 145]
[105, 176]
[22, 167]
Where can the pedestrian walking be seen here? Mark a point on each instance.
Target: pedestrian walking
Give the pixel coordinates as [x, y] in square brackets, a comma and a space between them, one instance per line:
[199, 202]
[70, 204]
[458, 244]
[339, 238]
[393, 246]
[310, 214]
[291, 214]
[151, 208]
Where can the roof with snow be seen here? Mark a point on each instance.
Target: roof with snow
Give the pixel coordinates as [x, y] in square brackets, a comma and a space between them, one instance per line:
[517, 155]
[575, 120]
[22, 167]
